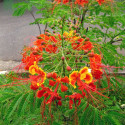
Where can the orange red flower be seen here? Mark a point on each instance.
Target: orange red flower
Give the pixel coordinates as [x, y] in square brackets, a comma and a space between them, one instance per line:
[100, 1]
[33, 68]
[74, 98]
[76, 76]
[95, 65]
[51, 48]
[77, 45]
[58, 80]
[37, 80]
[87, 46]
[81, 2]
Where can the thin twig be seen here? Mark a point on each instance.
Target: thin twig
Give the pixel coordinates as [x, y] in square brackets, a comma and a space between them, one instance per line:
[105, 35]
[45, 27]
[112, 40]
[37, 22]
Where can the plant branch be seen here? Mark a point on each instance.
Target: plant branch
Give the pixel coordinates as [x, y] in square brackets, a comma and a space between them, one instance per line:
[105, 35]
[83, 15]
[112, 39]
[45, 27]
[63, 46]
[37, 22]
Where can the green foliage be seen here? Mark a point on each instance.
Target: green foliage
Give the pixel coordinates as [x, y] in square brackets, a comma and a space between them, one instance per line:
[18, 104]
[94, 116]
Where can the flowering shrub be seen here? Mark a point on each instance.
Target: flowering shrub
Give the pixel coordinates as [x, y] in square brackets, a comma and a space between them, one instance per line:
[63, 63]
[69, 67]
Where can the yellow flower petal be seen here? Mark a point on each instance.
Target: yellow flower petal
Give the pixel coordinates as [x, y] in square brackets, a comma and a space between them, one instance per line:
[88, 78]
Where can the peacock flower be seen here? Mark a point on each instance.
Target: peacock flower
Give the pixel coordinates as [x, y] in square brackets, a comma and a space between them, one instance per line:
[73, 77]
[100, 2]
[58, 80]
[88, 78]
[37, 80]
[74, 98]
[95, 64]
[42, 75]
[70, 34]
[33, 69]
[87, 46]
[78, 44]
[83, 74]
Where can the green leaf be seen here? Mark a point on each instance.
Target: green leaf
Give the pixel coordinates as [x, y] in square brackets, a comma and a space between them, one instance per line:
[111, 120]
[5, 98]
[86, 115]
[21, 104]
[14, 105]
[96, 115]
[26, 104]
[20, 11]
[116, 114]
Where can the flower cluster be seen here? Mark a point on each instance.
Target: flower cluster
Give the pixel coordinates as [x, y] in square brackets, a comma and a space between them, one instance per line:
[76, 82]
[79, 2]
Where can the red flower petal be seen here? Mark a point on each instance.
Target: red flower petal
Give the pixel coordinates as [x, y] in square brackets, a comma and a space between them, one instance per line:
[97, 74]
[33, 87]
[52, 83]
[51, 48]
[54, 75]
[40, 93]
[70, 103]
[59, 103]
[65, 79]
[88, 46]
[64, 88]
[92, 86]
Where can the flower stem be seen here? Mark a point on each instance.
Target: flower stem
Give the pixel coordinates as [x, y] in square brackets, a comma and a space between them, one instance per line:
[63, 47]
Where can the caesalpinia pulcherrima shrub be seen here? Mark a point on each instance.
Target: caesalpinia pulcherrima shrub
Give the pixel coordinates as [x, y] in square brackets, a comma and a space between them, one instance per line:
[70, 74]
[64, 66]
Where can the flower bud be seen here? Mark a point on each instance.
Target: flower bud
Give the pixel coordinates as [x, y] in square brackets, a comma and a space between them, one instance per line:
[49, 75]
[41, 59]
[77, 34]
[68, 68]
[87, 39]
[35, 53]
[62, 57]
[84, 36]
[53, 31]
[60, 27]
[74, 31]
[70, 29]
[85, 51]
[54, 45]
[91, 54]
[42, 43]
[75, 27]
